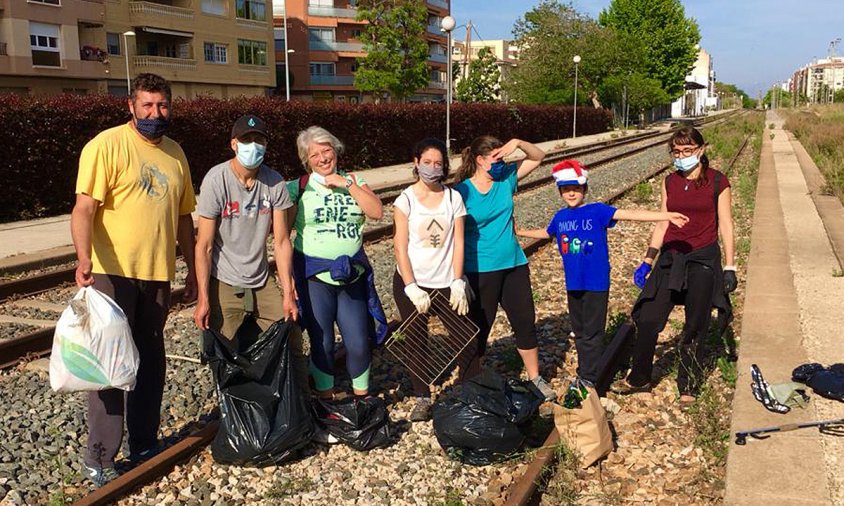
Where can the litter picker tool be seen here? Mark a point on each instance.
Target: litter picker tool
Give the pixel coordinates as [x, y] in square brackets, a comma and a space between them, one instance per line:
[428, 354]
[835, 427]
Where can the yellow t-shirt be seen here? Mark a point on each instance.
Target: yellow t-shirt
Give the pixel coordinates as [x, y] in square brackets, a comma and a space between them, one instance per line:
[142, 189]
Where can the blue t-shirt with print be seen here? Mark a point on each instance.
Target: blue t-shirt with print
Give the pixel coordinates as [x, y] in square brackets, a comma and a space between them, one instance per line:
[581, 234]
[490, 241]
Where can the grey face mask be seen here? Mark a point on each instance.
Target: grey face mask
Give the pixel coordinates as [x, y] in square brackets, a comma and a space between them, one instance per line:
[429, 173]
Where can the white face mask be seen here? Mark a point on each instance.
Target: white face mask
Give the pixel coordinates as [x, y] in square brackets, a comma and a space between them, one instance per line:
[686, 164]
[319, 178]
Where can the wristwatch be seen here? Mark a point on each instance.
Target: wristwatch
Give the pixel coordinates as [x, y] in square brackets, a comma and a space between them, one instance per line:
[349, 182]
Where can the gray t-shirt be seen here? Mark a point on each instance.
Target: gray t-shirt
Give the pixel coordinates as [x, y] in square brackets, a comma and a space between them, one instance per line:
[244, 220]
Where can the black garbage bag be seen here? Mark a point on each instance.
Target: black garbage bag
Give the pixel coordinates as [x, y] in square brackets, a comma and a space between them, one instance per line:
[825, 381]
[488, 422]
[362, 423]
[266, 415]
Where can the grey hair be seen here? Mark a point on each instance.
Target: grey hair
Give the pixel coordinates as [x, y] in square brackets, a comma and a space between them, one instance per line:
[316, 135]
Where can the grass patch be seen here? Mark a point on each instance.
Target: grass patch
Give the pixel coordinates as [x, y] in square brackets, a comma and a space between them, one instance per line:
[711, 422]
[285, 487]
[821, 131]
[452, 498]
[728, 370]
[563, 487]
[643, 192]
[837, 273]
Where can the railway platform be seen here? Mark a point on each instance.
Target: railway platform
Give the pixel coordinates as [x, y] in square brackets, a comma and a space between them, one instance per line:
[792, 315]
[25, 244]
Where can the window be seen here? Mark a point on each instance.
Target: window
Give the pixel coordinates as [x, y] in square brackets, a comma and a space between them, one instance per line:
[356, 33]
[355, 67]
[44, 41]
[49, 2]
[278, 35]
[251, 52]
[323, 34]
[322, 69]
[217, 7]
[320, 3]
[256, 10]
[216, 53]
[113, 43]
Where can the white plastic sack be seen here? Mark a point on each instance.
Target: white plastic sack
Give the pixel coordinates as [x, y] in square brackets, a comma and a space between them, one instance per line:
[93, 347]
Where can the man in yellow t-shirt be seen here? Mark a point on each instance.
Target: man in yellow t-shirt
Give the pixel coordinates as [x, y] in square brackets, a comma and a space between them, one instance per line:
[134, 199]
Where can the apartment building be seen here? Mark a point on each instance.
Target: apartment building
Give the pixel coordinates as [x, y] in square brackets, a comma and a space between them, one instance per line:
[324, 43]
[219, 48]
[700, 93]
[819, 80]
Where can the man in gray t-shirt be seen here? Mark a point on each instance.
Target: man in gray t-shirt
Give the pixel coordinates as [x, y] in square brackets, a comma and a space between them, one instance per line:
[242, 201]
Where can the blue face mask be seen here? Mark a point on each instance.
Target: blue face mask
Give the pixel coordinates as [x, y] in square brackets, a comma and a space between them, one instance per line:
[497, 170]
[686, 164]
[152, 128]
[251, 154]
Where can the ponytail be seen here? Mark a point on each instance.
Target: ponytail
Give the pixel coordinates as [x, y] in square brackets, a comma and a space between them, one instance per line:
[481, 146]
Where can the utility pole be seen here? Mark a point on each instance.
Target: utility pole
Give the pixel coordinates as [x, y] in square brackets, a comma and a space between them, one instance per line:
[468, 52]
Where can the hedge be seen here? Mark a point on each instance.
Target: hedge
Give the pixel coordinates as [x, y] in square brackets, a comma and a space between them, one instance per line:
[46, 135]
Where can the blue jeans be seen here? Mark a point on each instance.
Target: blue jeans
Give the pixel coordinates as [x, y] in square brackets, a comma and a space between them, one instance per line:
[347, 306]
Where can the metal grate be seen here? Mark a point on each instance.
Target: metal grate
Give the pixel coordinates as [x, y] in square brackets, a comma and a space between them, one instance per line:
[424, 346]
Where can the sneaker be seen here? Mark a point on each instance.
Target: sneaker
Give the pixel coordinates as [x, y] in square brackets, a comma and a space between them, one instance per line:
[136, 458]
[99, 476]
[422, 411]
[545, 389]
[323, 436]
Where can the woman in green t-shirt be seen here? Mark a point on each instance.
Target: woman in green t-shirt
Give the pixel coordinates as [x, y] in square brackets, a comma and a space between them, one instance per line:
[332, 273]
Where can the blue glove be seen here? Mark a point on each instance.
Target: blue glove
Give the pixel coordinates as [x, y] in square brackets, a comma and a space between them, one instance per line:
[641, 275]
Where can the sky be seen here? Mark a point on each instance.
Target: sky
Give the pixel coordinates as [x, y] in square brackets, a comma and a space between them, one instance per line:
[753, 43]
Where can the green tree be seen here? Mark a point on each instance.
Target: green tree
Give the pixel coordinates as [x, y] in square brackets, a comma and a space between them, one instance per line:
[549, 36]
[397, 50]
[481, 83]
[640, 92]
[668, 38]
[780, 97]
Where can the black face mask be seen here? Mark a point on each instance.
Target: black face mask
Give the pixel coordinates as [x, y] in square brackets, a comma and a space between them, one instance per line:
[152, 128]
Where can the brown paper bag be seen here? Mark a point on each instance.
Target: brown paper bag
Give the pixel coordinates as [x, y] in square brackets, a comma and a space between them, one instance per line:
[585, 428]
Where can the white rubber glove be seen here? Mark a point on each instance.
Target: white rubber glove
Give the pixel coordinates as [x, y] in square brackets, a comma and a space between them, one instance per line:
[419, 297]
[470, 294]
[458, 299]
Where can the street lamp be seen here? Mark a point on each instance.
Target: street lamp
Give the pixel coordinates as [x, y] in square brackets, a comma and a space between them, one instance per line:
[576, 60]
[447, 25]
[286, 53]
[128, 33]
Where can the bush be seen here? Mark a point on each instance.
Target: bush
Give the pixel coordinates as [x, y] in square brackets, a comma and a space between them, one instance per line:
[48, 133]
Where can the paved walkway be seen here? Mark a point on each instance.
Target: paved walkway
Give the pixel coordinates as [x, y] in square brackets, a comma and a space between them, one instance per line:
[27, 242]
[792, 315]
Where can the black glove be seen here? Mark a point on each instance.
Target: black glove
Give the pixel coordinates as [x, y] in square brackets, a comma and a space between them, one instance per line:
[730, 281]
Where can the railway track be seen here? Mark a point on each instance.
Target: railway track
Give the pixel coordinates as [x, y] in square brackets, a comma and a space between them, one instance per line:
[523, 491]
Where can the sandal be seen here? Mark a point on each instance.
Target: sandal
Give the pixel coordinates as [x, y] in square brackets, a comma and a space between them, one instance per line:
[686, 401]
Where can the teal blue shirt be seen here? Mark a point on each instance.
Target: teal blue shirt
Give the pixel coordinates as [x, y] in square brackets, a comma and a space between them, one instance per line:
[490, 240]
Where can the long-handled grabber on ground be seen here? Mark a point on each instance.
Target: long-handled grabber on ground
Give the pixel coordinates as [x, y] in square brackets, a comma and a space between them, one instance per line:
[835, 427]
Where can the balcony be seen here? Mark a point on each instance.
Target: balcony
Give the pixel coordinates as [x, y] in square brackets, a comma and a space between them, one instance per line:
[258, 69]
[332, 12]
[439, 58]
[435, 30]
[163, 62]
[439, 3]
[251, 23]
[332, 80]
[330, 45]
[155, 9]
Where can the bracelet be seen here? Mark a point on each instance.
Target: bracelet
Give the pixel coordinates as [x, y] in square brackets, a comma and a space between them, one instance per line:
[652, 252]
[729, 268]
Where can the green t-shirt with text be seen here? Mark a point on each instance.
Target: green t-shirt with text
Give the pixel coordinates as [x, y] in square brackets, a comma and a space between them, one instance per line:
[329, 222]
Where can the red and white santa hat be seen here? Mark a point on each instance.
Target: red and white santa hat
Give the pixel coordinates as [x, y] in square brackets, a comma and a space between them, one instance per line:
[569, 172]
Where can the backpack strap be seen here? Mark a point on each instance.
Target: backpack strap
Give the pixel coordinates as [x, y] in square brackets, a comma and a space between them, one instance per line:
[303, 182]
[717, 187]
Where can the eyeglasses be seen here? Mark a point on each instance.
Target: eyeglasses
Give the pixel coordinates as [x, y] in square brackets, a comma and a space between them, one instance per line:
[684, 152]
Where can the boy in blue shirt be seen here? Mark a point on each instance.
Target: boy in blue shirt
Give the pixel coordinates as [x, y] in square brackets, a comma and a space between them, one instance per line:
[581, 232]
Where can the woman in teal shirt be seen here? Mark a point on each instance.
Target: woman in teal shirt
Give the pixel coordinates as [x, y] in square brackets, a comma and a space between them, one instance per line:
[495, 265]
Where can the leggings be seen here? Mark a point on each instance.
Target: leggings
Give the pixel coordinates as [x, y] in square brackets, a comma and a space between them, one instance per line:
[347, 306]
[653, 316]
[510, 288]
[420, 327]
